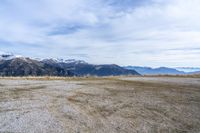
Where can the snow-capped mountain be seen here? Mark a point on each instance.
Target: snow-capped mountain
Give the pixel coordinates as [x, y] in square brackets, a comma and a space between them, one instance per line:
[12, 65]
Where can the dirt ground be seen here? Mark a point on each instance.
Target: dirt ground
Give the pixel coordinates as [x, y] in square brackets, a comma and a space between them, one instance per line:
[100, 105]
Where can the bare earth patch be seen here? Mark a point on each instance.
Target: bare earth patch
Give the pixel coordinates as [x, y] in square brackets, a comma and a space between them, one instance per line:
[100, 105]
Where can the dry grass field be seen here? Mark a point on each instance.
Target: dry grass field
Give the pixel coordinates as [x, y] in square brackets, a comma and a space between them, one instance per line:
[100, 105]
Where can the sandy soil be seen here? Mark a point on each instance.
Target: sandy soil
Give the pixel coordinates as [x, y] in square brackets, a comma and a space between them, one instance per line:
[100, 105]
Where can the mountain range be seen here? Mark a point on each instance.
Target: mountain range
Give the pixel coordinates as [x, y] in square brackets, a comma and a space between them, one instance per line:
[11, 65]
[189, 69]
[16, 65]
[162, 70]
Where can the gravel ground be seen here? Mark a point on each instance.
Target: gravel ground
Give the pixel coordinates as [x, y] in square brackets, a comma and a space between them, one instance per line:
[99, 105]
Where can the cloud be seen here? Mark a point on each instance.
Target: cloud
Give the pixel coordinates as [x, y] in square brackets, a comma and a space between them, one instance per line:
[125, 32]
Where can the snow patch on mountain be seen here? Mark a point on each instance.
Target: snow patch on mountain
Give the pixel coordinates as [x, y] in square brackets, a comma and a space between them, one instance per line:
[10, 56]
[69, 61]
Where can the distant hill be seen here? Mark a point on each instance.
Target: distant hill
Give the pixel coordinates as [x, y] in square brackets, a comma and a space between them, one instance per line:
[11, 65]
[197, 72]
[155, 71]
[188, 69]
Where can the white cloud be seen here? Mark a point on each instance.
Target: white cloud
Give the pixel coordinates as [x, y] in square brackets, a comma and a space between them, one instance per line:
[122, 32]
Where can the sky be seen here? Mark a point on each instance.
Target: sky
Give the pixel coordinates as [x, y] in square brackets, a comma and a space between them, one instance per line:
[124, 32]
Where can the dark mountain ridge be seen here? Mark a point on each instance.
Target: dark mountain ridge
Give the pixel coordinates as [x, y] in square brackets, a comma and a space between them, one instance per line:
[82, 68]
[11, 65]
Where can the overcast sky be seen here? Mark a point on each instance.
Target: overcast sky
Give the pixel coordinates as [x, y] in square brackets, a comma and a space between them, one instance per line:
[125, 32]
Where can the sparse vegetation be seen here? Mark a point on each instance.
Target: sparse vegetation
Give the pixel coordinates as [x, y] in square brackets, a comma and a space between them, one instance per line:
[91, 104]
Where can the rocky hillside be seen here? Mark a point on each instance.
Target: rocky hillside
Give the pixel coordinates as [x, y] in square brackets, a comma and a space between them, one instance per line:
[29, 67]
